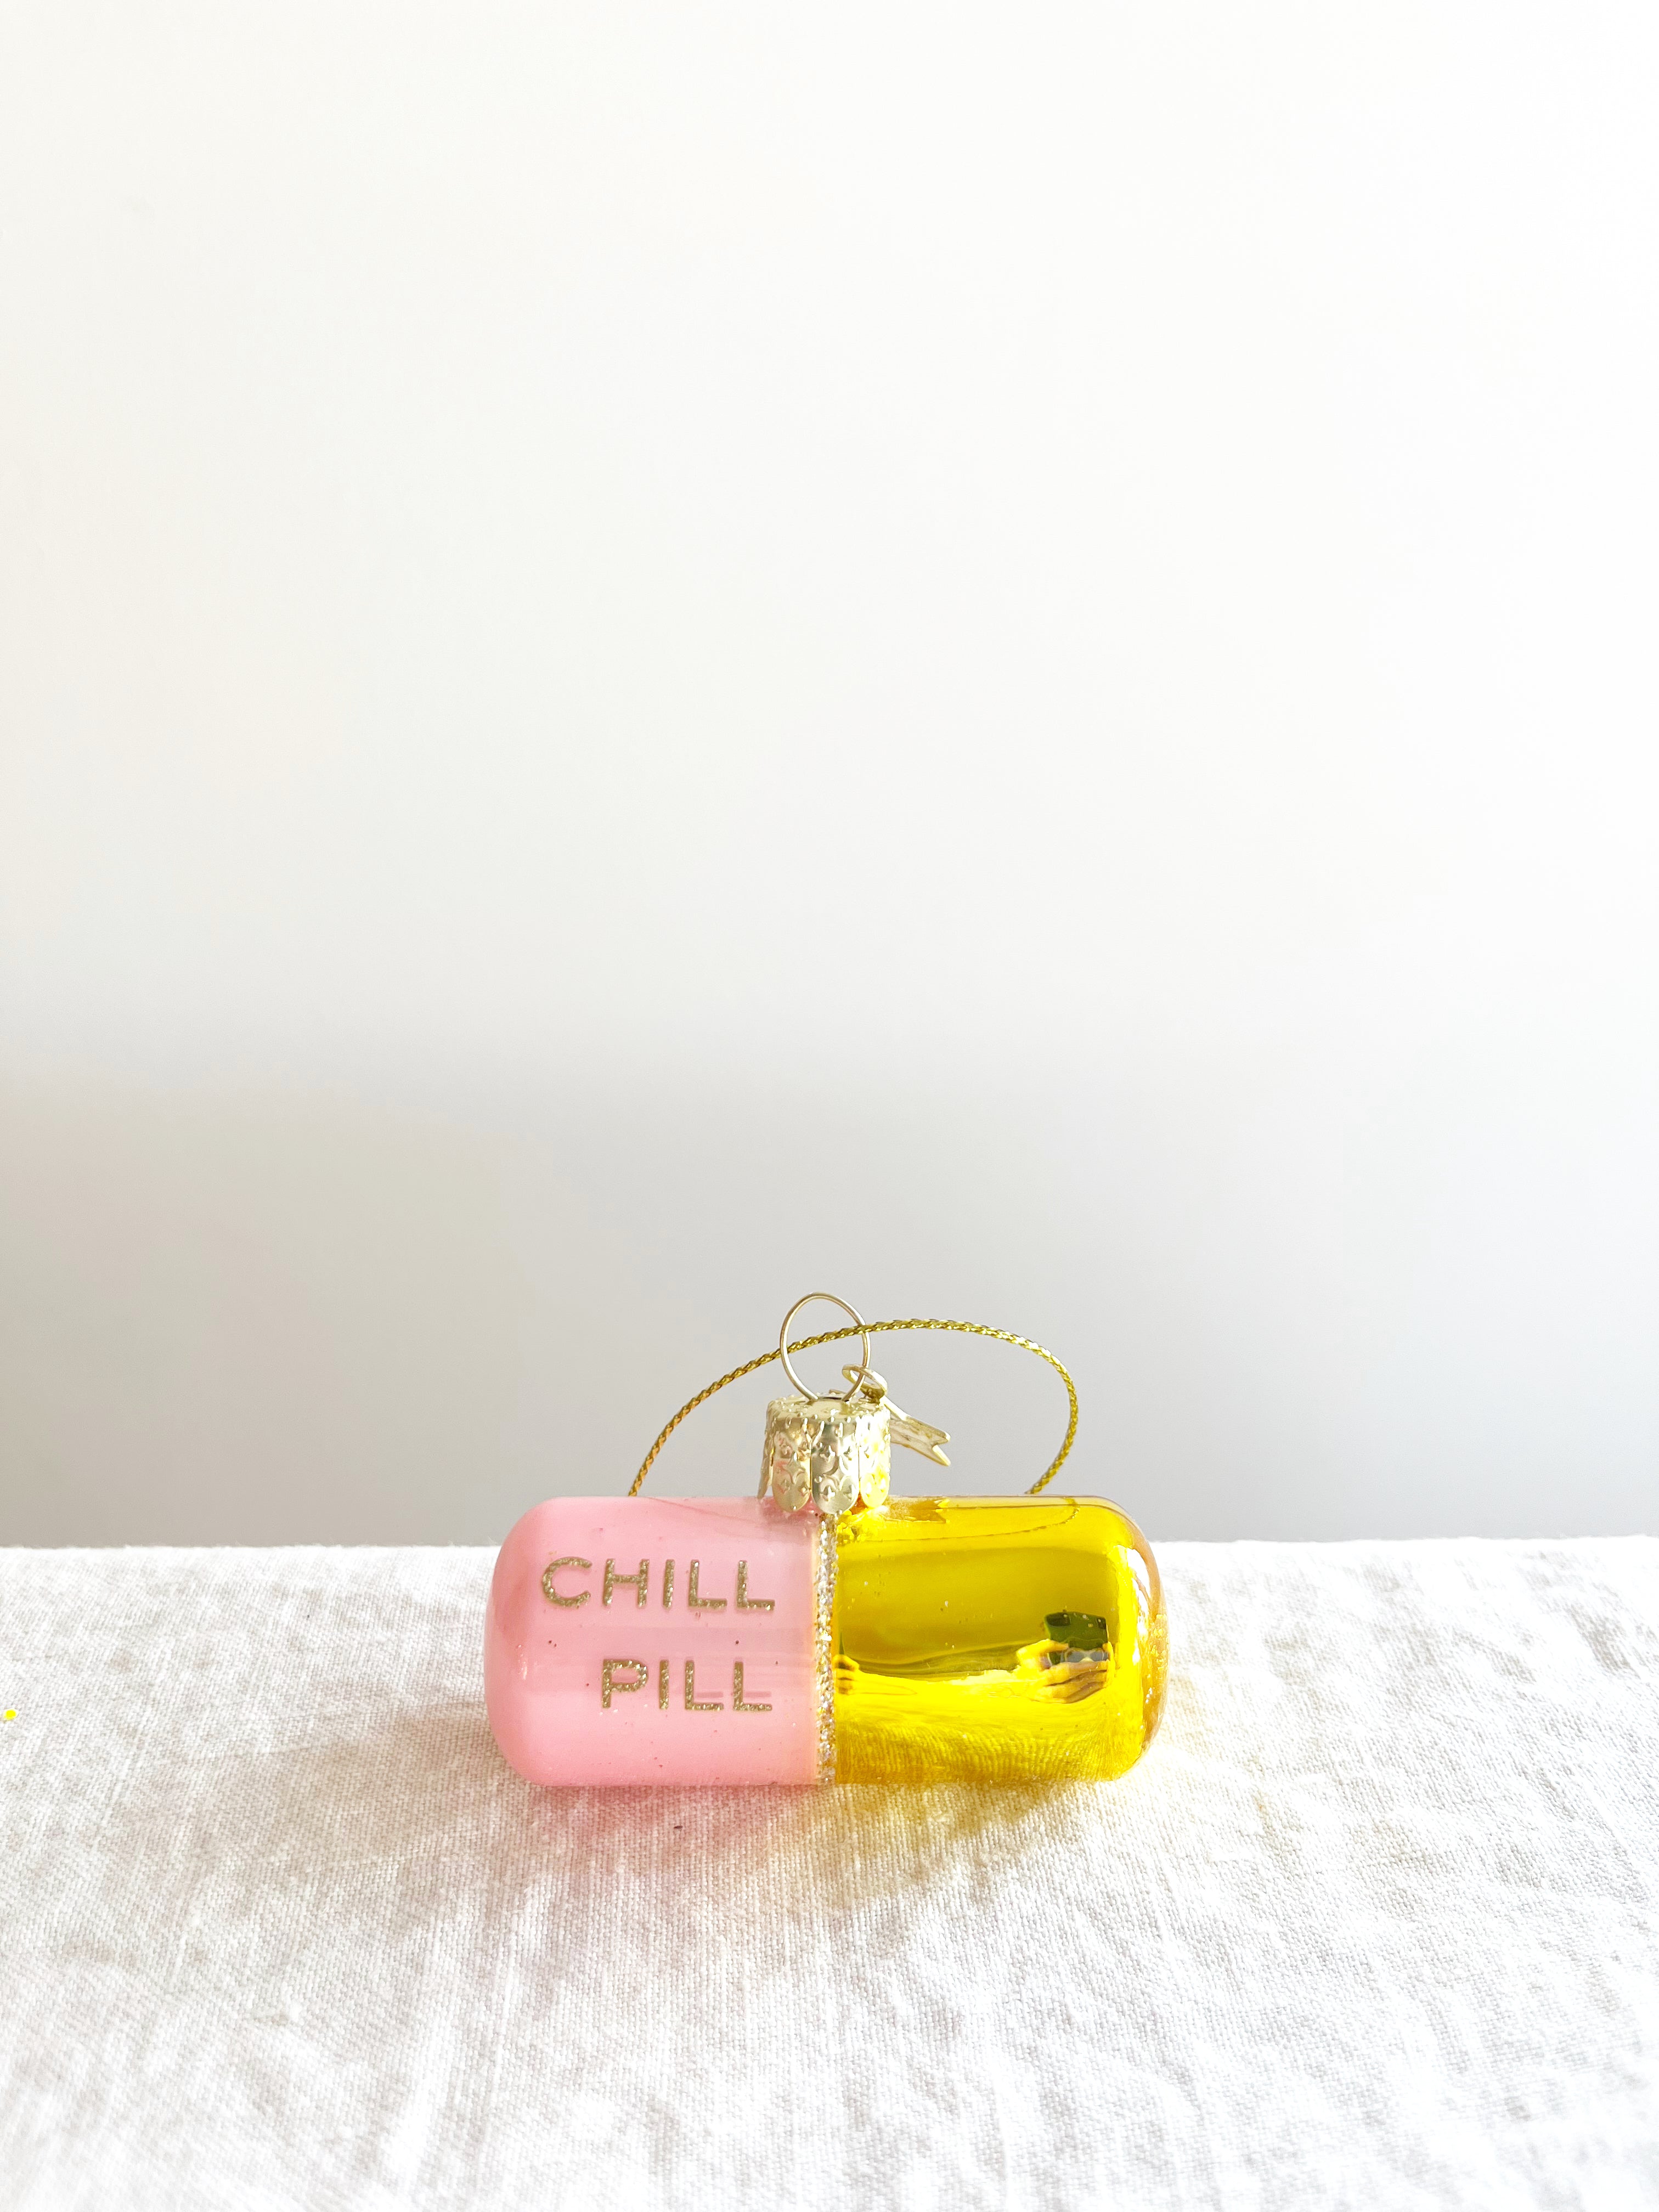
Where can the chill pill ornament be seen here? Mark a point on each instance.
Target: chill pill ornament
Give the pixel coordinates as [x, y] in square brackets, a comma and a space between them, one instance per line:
[825, 1629]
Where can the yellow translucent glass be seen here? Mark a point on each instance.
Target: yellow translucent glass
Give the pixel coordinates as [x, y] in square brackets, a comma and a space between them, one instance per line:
[994, 1639]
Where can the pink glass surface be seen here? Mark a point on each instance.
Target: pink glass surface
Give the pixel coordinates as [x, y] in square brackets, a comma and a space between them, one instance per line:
[638, 1683]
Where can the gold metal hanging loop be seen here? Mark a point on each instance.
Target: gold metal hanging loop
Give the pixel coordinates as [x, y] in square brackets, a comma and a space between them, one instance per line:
[828, 1298]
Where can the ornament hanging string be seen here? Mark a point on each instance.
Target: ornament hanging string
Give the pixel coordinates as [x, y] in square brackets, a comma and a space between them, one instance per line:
[876, 1328]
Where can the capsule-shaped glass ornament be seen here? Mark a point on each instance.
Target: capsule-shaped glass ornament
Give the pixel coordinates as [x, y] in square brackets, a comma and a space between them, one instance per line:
[826, 1631]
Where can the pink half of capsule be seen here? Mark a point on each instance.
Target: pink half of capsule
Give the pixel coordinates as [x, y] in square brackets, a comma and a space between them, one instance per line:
[665, 1641]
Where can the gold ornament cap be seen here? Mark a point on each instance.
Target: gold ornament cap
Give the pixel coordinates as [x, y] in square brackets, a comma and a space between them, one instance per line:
[827, 1453]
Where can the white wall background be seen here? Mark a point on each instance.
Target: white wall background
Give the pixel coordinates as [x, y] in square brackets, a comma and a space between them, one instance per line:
[1001, 658]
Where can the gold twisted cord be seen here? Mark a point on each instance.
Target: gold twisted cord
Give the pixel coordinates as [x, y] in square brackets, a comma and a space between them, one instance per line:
[877, 1328]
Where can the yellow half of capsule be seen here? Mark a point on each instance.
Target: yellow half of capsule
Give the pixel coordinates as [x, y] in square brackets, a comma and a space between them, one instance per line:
[955, 1652]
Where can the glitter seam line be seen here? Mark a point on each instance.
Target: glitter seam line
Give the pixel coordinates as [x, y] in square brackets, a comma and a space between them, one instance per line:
[823, 1660]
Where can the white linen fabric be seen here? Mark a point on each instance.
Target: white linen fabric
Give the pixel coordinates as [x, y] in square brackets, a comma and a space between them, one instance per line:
[1374, 1924]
